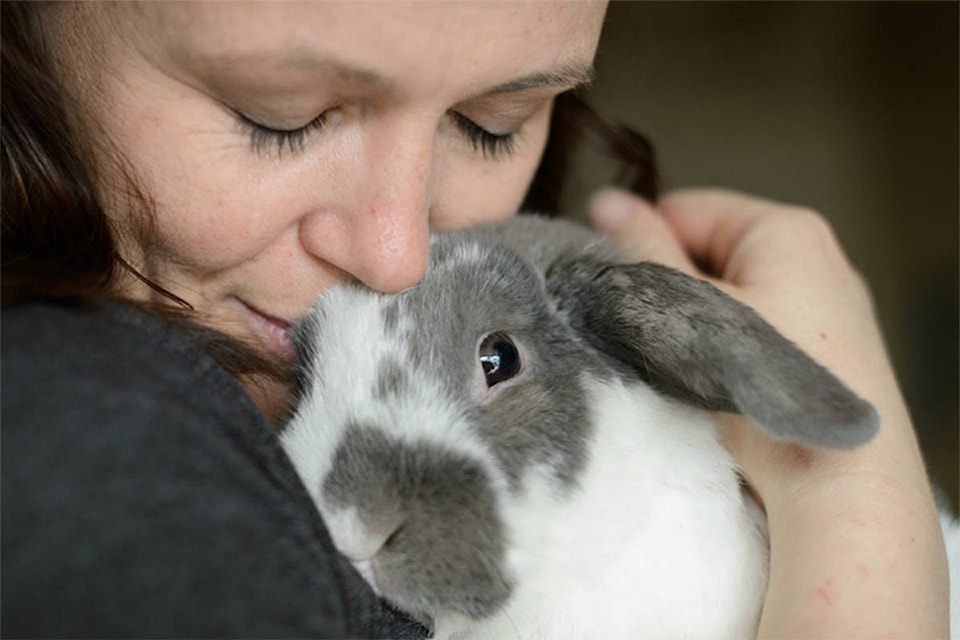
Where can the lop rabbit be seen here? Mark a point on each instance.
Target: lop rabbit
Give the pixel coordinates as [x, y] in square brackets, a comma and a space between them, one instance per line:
[520, 446]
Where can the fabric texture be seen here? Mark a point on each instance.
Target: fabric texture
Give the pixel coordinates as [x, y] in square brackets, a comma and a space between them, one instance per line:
[144, 495]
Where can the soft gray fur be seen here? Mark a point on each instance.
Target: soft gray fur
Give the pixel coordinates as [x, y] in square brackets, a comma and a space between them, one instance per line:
[574, 307]
[451, 526]
[689, 339]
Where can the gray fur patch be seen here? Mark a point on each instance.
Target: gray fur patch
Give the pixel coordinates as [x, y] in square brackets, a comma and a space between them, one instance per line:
[391, 316]
[392, 380]
[688, 339]
[448, 553]
[542, 418]
[303, 337]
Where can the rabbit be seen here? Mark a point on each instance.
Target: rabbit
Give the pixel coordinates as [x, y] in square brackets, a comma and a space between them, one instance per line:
[521, 445]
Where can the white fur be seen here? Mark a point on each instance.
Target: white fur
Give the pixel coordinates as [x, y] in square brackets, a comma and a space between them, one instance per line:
[309, 447]
[657, 542]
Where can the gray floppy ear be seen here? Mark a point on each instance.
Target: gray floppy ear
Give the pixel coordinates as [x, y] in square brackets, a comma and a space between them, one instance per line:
[690, 340]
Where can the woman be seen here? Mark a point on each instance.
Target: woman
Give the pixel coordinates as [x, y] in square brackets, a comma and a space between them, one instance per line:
[225, 163]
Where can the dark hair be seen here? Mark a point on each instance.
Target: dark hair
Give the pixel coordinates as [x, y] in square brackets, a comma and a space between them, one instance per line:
[57, 243]
[575, 123]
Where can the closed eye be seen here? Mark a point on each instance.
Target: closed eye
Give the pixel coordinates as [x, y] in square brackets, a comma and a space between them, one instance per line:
[491, 145]
[263, 137]
[266, 138]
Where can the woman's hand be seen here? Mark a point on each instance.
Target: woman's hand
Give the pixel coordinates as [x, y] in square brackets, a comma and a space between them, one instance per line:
[856, 548]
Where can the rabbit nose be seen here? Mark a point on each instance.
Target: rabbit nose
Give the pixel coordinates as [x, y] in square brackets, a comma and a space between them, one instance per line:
[356, 538]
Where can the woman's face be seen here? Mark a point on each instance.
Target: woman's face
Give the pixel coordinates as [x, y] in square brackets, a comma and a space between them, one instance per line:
[286, 146]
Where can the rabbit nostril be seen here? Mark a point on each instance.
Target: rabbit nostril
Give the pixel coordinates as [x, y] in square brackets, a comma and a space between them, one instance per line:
[499, 357]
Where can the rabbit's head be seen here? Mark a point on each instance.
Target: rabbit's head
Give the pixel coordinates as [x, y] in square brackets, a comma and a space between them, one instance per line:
[423, 414]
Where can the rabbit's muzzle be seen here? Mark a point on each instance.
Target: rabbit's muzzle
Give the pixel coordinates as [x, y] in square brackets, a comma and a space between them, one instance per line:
[419, 520]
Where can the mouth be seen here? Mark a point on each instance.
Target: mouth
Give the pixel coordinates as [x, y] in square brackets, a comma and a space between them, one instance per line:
[273, 332]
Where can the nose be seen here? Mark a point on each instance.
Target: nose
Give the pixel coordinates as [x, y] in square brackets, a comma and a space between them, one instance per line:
[355, 539]
[380, 230]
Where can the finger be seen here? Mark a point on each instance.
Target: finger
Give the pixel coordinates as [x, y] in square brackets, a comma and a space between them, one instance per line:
[712, 223]
[744, 239]
[638, 228]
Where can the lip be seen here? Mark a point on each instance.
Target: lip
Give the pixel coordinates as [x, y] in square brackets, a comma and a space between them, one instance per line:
[273, 332]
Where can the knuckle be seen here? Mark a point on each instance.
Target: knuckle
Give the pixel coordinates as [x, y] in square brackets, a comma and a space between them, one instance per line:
[811, 233]
[860, 287]
[811, 224]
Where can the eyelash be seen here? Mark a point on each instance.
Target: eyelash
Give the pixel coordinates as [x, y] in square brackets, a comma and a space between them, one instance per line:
[262, 136]
[491, 145]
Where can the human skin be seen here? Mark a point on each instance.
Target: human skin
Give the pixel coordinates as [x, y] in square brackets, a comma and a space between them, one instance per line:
[248, 227]
[856, 547]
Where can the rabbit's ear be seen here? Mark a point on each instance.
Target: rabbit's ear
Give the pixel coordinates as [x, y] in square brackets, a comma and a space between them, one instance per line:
[690, 340]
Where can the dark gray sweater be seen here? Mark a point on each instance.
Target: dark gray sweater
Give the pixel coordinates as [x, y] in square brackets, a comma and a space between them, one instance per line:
[143, 494]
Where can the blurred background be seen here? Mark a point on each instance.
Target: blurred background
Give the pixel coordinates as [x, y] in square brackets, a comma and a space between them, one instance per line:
[848, 108]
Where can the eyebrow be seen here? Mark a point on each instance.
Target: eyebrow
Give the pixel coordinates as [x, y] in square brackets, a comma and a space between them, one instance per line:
[307, 62]
[566, 76]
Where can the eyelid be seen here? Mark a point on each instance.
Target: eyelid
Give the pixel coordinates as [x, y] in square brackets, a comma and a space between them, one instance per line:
[248, 119]
[492, 145]
[261, 135]
[505, 112]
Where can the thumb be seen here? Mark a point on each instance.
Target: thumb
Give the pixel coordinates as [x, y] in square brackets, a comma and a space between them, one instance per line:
[637, 227]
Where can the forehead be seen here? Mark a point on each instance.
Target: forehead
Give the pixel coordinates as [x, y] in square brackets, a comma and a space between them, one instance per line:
[489, 42]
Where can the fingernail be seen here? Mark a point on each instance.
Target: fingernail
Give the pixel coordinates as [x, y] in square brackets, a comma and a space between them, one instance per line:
[609, 208]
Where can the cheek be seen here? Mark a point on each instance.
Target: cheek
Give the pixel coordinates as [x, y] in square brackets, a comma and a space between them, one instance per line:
[210, 235]
[474, 200]
[204, 219]
[196, 204]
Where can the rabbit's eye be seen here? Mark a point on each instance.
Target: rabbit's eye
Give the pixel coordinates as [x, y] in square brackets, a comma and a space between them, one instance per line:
[499, 358]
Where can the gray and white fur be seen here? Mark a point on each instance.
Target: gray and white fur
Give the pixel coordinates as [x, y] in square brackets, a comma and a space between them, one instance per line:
[520, 446]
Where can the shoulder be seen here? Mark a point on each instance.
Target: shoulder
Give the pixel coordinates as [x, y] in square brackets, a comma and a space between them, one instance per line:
[110, 376]
[102, 346]
[143, 492]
